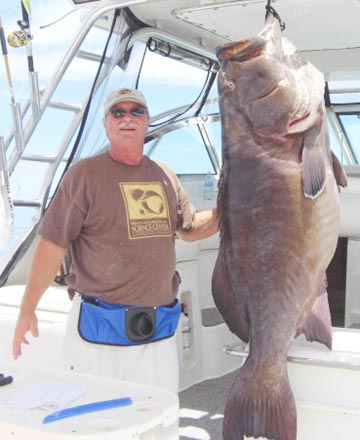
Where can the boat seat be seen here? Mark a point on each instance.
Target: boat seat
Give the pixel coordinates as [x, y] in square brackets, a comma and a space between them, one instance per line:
[211, 317]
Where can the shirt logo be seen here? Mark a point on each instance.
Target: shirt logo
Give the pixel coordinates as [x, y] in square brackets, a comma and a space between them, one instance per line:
[147, 209]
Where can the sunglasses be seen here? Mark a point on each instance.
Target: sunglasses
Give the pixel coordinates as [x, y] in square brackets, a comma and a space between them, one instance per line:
[120, 112]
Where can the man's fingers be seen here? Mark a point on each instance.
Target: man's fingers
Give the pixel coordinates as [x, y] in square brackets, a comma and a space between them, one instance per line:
[18, 340]
[17, 348]
[34, 331]
[25, 324]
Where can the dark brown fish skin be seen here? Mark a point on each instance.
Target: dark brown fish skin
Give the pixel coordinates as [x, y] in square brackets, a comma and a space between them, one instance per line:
[278, 213]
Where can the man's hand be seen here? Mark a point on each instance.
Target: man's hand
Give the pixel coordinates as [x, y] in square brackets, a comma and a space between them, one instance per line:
[27, 321]
[44, 266]
[205, 224]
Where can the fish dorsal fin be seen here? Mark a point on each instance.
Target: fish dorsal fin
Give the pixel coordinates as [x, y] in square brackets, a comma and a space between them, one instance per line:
[339, 172]
[313, 162]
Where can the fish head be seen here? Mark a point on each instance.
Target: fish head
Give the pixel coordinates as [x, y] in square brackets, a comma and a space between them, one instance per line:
[268, 81]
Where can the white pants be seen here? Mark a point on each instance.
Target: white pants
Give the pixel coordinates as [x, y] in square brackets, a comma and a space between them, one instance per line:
[151, 364]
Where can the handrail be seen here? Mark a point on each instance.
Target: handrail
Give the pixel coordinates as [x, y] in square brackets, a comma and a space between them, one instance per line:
[25, 133]
[241, 349]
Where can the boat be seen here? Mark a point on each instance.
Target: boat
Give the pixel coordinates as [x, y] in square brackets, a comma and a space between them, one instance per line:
[168, 50]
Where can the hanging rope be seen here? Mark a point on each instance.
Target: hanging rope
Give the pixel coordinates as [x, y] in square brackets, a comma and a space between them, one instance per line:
[271, 10]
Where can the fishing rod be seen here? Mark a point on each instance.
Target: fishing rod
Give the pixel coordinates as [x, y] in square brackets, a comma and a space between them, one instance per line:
[23, 37]
[18, 130]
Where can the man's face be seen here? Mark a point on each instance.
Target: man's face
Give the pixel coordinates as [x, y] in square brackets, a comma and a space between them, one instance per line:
[127, 122]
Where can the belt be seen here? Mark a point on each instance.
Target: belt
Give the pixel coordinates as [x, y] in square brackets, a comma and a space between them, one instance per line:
[116, 324]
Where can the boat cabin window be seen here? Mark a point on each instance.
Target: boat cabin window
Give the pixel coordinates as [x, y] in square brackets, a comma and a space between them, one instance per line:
[170, 83]
[184, 150]
[174, 82]
[351, 125]
[344, 118]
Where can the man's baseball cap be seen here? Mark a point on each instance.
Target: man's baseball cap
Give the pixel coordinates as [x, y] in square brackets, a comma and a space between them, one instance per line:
[122, 95]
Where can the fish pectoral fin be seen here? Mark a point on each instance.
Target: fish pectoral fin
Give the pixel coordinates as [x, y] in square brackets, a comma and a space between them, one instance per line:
[225, 300]
[339, 172]
[313, 165]
[317, 325]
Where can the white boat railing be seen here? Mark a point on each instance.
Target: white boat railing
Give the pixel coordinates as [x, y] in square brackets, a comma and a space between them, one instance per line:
[319, 357]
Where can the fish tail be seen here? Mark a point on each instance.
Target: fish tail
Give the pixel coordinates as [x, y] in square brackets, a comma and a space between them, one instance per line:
[262, 407]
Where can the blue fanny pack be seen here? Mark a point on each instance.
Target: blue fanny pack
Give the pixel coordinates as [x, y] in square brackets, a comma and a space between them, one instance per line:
[115, 324]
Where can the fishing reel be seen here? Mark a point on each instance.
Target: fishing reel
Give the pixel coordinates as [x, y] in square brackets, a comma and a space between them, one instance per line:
[21, 37]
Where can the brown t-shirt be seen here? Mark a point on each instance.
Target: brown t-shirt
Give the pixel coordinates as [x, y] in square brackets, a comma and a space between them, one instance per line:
[120, 221]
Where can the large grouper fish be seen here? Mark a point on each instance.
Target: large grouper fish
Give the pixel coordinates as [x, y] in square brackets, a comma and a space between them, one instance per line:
[278, 208]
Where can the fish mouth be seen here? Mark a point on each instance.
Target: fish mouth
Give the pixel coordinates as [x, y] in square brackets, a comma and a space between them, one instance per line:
[298, 120]
[241, 50]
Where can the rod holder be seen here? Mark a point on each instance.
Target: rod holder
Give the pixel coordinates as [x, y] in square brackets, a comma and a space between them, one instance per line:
[18, 128]
[4, 176]
[35, 95]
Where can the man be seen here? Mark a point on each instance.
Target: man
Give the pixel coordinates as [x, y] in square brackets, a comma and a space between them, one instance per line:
[118, 212]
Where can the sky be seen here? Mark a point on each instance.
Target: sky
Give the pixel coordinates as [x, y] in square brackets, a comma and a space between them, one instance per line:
[48, 45]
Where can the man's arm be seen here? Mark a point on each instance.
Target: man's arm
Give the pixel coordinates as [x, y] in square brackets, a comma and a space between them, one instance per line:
[205, 225]
[44, 266]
